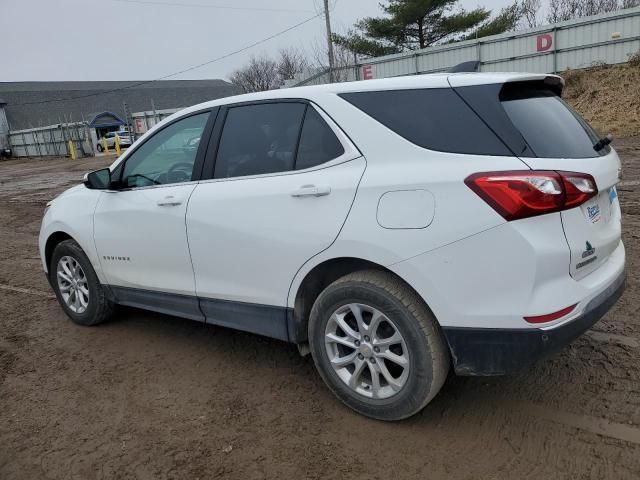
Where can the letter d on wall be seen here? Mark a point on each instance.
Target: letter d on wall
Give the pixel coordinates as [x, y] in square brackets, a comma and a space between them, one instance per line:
[544, 42]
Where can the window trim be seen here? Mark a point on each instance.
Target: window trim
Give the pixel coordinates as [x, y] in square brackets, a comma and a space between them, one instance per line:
[351, 152]
[297, 150]
[198, 165]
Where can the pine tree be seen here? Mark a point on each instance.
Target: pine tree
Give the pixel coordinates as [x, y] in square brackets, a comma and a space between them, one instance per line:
[415, 24]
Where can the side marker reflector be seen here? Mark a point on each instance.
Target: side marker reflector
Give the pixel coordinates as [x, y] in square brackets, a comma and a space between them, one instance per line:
[549, 317]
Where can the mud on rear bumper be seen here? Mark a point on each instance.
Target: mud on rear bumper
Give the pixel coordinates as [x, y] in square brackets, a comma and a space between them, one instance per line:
[487, 351]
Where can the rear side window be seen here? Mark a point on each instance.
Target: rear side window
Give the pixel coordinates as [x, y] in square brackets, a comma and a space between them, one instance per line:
[551, 128]
[433, 118]
[259, 139]
[318, 143]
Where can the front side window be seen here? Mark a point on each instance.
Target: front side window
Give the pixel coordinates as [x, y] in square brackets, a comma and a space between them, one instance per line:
[168, 156]
[259, 139]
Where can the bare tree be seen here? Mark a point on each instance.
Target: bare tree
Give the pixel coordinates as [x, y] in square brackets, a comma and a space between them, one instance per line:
[529, 11]
[264, 73]
[594, 7]
[291, 62]
[561, 10]
[553, 11]
[260, 74]
[343, 60]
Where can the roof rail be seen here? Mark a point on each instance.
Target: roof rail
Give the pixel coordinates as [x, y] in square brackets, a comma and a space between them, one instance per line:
[472, 66]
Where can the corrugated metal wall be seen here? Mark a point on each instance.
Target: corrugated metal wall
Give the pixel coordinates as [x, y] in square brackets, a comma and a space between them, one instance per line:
[54, 139]
[608, 38]
[51, 140]
[4, 128]
[143, 121]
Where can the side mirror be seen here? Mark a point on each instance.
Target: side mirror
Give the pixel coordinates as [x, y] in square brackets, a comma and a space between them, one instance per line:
[98, 180]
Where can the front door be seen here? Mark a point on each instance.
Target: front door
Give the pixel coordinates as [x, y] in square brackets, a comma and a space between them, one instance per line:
[139, 229]
[282, 186]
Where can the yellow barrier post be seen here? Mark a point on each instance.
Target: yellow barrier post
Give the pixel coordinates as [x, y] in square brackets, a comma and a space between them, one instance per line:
[105, 147]
[117, 144]
[72, 150]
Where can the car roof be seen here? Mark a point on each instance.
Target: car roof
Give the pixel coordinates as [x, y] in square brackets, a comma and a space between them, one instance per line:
[433, 80]
[314, 92]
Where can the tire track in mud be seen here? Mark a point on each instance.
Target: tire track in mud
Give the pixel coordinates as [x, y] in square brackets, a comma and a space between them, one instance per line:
[598, 426]
[613, 338]
[27, 291]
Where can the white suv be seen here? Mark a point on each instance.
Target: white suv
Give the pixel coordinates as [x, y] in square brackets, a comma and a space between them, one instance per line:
[393, 228]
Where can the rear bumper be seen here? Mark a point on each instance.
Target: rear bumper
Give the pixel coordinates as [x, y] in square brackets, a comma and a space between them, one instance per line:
[485, 351]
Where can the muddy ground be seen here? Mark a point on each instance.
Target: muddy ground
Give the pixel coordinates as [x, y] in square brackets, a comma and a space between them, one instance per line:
[154, 397]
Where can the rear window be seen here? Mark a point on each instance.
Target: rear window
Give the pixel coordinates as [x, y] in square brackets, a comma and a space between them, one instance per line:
[433, 118]
[551, 128]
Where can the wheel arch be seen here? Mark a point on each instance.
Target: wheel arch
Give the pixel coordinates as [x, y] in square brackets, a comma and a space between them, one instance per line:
[316, 280]
[53, 240]
[59, 235]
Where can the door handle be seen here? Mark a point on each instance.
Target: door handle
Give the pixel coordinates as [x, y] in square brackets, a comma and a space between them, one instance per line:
[311, 191]
[169, 201]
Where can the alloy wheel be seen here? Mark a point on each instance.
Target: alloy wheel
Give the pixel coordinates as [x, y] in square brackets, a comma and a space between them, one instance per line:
[73, 284]
[367, 351]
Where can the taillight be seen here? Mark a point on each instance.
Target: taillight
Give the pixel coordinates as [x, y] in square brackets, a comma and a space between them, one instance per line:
[527, 193]
[579, 188]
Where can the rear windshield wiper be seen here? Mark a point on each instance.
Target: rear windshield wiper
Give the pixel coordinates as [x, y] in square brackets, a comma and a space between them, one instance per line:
[603, 142]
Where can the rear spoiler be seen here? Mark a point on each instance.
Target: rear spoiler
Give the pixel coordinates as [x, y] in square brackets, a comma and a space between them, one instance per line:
[555, 82]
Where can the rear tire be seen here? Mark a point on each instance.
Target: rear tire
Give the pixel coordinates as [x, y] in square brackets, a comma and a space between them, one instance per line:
[100, 148]
[76, 285]
[393, 361]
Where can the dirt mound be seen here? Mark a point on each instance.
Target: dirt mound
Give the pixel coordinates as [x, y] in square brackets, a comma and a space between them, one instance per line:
[608, 97]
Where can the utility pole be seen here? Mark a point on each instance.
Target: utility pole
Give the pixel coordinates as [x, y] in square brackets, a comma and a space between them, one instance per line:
[129, 120]
[329, 42]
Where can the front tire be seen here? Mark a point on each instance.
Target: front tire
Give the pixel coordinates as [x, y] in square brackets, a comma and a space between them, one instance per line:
[377, 345]
[76, 285]
[100, 147]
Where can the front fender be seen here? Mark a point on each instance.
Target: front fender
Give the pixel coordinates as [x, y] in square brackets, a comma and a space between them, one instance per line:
[72, 214]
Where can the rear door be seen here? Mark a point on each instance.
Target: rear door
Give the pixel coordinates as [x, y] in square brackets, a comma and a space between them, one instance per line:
[547, 134]
[283, 182]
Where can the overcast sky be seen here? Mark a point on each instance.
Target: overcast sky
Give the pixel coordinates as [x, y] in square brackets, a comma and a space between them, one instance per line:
[134, 40]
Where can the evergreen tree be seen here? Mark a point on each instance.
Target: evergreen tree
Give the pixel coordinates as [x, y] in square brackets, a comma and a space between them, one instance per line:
[415, 24]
